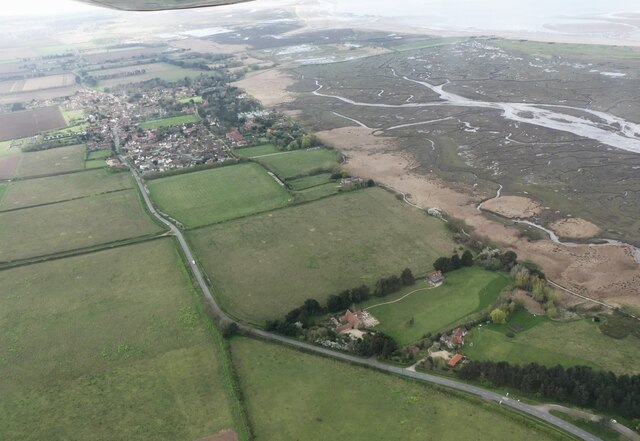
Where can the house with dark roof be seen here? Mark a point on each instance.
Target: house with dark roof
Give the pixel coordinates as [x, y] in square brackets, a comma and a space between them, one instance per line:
[436, 278]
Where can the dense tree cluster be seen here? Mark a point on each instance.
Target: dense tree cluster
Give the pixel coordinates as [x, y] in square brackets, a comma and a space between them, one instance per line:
[454, 262]
[376, 344]
[348, 297]
[579, 385]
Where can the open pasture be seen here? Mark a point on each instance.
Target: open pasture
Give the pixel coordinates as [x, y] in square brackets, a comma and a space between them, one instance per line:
[464, 292]
[167, 72]
[73, 224]
[168, 122]
[30, 192]
[52, 161]
[30, 122]
[265, 265]
[218, 194]
[295, 395]
[547, 342]
[258, 150]
[309, 181]
[108, 345]
[301, 162]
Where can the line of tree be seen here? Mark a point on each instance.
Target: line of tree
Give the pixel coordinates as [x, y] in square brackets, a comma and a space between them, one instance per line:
[376, 344]
[454, 262]
[301, 317]
[579, 385]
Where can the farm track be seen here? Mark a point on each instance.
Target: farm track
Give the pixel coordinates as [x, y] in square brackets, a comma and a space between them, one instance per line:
[371, 363]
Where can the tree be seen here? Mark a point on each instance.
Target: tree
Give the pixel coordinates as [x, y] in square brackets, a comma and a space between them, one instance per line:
[467, 258]
[508, 259]
[498, 316]
[442, 264]
[407, 277]
[456, 262]
[230, 330]
[306, 141]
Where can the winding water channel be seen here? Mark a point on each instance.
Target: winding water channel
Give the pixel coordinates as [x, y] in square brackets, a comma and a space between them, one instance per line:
[601, 126]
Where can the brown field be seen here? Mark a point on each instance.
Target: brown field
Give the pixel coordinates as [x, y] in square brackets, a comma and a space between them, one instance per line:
[8, 167]
[38, 83]
[42, 94]
[268, 86]
[31, 122]
[575, 228]
[513, 207]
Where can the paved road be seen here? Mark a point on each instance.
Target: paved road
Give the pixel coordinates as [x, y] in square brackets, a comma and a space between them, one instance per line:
[478, 391]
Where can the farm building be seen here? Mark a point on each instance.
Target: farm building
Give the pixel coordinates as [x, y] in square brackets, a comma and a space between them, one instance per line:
[436, 278]
[455, 339]
[455, 360]
[355, 320]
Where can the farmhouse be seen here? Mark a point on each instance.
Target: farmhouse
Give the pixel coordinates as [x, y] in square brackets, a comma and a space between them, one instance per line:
[455, 339]
[455, 360]
[355, 320]
[436, 278]
[236, 139]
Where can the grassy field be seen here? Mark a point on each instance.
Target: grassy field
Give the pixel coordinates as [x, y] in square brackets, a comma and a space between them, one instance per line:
[74, 224]
[219, 194]
[605, 433]
[298, 396]
[166, 72]
[108, 345]
[265, 265]
[258, 150]
[195, 99]
[58, 160]
[430, 42]
[547, 342]
[73, 117]
[39, 191]
[567, 49]
[172, 121]
[309, 181]
[301, 162]
[319, 191]
[465, 291]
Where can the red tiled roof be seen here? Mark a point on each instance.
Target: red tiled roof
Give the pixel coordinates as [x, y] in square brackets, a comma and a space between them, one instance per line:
[455, 360]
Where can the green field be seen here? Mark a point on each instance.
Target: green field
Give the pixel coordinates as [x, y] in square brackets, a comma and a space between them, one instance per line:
[168, 122]
[319, 191]
[430, 42]
[547, 342]
[58, 160]
[309, 181]
[219, 194]
[108, 345]
[259, 150]
[293, 395]
[30, 192]
[568, 49]
[164, 71]
[74, 224]
[265, 265]
[195, 99]
[99, 154]
[465, 291]
[73, 117]
[301, 162]
[604, 432]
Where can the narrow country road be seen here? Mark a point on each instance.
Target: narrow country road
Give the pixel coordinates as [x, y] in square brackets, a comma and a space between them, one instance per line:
[453, 384]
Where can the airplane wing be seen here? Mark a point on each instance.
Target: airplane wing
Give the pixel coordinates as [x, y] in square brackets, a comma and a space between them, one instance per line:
[159, 5]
